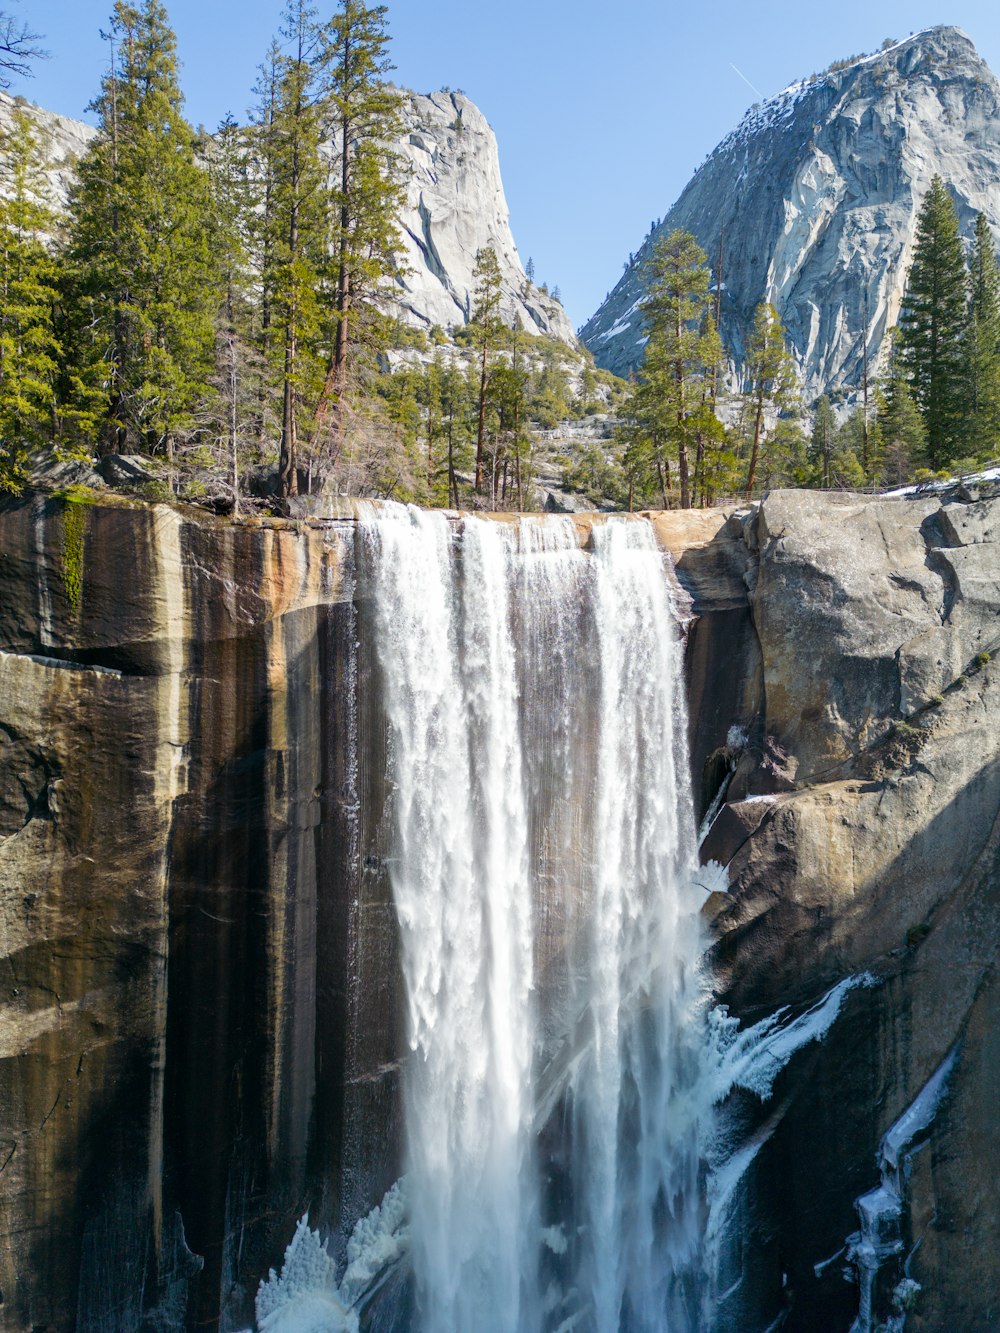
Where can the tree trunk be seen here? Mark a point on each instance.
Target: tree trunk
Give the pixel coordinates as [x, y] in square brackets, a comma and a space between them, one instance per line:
[755, 450]
[481, 431]
[682, 453]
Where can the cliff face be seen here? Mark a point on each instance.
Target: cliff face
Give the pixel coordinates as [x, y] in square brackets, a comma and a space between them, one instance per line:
[861, 836]
[180, 842]
[814, 197]
[192, 815]
[455, 206]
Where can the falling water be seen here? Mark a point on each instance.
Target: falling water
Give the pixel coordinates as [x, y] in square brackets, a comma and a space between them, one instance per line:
[542, 873]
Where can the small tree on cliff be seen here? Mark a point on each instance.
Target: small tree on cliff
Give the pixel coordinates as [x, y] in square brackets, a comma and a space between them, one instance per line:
[487, 323]
[145, 282]
[770, 383]
[932, 325]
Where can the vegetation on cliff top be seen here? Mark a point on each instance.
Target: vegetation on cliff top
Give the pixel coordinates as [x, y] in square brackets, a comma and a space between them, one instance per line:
[223, 306]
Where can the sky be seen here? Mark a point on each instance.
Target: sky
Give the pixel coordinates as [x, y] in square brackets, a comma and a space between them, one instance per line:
[602, 110]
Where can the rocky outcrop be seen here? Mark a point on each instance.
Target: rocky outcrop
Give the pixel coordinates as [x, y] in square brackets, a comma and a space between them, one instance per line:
[813, 200]
[861, 836]
[455, 206]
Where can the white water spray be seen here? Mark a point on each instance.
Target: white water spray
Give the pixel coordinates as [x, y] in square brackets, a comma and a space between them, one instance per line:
[543, 846]
[567, 1168]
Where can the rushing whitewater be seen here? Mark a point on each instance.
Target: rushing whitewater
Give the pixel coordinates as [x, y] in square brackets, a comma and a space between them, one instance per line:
[542, 871]
[575, 1159]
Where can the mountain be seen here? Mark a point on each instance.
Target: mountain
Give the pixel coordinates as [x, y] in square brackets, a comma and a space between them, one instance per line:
[455, 206]
[814, 198]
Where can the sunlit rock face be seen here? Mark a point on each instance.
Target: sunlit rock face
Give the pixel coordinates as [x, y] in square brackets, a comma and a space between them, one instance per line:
[814, 198]
[455, 206]
[861, 837]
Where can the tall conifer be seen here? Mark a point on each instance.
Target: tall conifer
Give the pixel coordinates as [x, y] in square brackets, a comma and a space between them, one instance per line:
[296, 221]
[363, 121]
[674, 307]
[982, 345]
[142, 246]
[487, 322]
[932, 324]
[29, 348]
[822, 444]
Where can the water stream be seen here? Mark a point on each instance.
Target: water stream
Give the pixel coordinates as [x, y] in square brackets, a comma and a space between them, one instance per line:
[571, 1163]
[544, 850]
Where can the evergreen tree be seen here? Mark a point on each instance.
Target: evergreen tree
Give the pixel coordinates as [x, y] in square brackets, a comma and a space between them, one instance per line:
[770, 383]
[363, 114]
[239, 407]
[901, 426]
[649, 427]
[674, 307]
[854, 438]
[294, 222]
[821, 446]
[713, 462]
[487, 323]
[29, 348]
[142, 253]
[785, 461]
[932, 324]
[982, 346]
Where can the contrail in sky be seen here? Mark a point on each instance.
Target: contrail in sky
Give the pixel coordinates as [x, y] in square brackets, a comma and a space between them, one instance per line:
[746, 81]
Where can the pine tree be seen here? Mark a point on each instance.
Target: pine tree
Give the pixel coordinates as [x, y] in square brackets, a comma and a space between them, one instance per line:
[770, 382]
[932, 324]
[822, 444]
[363, 119]
[487, 323]
[674, 307]
[713, 461]
[29, 348]
[853, 439]
[142, 250]
[901, 427]
[239, 406]
[982, 346]
[294, 223]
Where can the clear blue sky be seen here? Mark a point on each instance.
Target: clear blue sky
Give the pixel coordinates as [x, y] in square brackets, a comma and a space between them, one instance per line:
[602, 110]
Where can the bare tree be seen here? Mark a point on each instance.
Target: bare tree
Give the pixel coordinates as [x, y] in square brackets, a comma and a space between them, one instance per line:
[19, 46]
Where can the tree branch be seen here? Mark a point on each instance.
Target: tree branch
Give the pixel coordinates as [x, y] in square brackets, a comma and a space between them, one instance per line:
[18, 48]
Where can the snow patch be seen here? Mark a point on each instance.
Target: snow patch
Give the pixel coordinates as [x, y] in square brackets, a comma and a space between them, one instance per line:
[712, 877]
[754, 1058]
[935, 487]
[306, 1296]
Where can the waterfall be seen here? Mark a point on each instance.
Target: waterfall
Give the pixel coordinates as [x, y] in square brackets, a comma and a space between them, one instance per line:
[542, 869]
